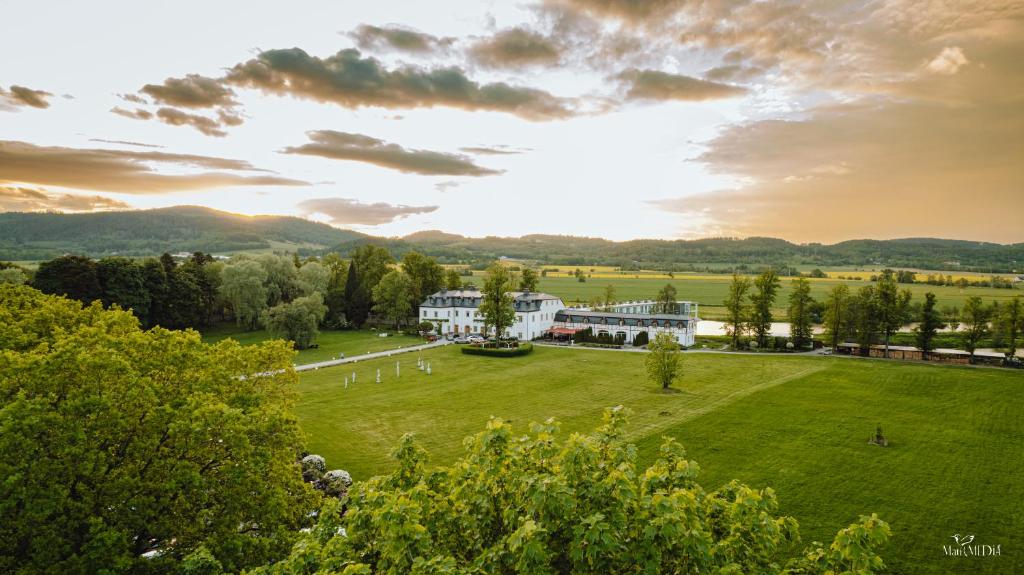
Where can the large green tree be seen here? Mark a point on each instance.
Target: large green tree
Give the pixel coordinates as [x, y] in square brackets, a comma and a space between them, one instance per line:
[1013, 325]
[837, 316]
[297, 320]
[393, 295]
[496, 301]
[928, 325]
[244, 287]
[864, 317]
[117, 442]
[665, 301]
[891, 305]
[766, 288]
[314, 277]
[662, 361]
[976, 316]
[800, 313]
[123, 282]
[357, 299]
[373, 262]
[530, 504]
[281, 278]
[528, 280]
[425, 275]
[72, 276]
[452, 279]
[736, 314]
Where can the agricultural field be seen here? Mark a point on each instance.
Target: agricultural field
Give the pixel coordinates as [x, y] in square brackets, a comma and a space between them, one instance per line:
[710, 290]
[331, 343]
[797, 424]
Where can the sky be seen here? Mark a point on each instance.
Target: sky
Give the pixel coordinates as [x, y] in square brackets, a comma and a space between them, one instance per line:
[812, 121]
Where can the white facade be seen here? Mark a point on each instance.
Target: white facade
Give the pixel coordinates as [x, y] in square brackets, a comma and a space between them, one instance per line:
[626, 320]
[456, 312]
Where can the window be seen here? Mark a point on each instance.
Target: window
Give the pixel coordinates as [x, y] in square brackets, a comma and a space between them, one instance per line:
[435, 314]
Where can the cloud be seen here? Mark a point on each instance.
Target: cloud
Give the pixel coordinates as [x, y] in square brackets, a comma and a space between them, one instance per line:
[515, 48]
[129, 172]
[19, 96]
[345, 211]
[18, 199]
[655, 85]
[349, 80]
[192, 91]
[493, 150]
[629, 11]
[447, 185]
[136, 114]
[948, 62]
[733, 73]
[207, 126]
[360, 148]
[125, 143]
[402, 39]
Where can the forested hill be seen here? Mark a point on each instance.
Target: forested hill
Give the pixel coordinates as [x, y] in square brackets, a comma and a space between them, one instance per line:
[679, 255]
[30, 236]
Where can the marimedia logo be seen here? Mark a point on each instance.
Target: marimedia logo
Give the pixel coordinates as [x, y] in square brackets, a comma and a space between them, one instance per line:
[964, 546]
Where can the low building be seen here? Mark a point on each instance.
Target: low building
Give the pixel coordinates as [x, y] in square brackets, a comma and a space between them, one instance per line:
[457, 312]
[626, 320]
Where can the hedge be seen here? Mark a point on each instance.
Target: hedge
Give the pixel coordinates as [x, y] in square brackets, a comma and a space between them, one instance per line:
[523, 349]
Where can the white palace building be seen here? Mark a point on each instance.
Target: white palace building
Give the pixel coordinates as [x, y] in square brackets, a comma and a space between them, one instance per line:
[543, 315]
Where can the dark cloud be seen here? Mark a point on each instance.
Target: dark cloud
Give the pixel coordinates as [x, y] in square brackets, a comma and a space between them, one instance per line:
[136, 114]
[19, 96]
[192, 91]
[515, 48]
[345, 211]
[207, 126]
[360, 148]
[349, 80]
[655, 85]
[629, 11]
[376, 38]
[123, 171]
[18, 199]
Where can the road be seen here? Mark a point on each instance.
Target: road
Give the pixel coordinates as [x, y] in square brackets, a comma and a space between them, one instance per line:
[375, 355]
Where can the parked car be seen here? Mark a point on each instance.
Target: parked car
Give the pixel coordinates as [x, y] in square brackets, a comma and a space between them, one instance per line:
[475, 339]
[461, 339]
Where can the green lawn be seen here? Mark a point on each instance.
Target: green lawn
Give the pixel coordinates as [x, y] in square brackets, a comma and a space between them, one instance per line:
[709, 291]
[797, 424]
[349, 342]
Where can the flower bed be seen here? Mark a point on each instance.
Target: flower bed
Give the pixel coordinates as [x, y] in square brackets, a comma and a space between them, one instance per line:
[522, 349]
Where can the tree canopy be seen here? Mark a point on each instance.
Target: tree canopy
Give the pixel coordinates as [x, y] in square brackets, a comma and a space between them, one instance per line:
[528, 503]
[497, 302]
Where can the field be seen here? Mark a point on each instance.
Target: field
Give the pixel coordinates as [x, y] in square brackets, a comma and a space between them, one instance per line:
[710, 290]
[797, 424]
[331, 343]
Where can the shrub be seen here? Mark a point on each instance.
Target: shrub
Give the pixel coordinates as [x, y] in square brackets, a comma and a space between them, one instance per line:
[522, 349]
[641, 339]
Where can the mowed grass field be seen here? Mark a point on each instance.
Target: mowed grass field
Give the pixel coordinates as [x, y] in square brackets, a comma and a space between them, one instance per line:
[710, 290]
[797, 424]
[331, 343]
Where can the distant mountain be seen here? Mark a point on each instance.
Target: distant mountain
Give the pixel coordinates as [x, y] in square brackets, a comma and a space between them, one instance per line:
[25, 236]
[29, 236]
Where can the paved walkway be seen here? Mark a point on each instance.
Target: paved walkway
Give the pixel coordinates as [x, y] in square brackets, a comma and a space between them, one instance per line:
[374, 355]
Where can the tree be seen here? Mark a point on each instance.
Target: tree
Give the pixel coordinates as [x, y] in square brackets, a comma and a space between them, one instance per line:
[123, 283]
[425, 275]
[118, 441]
[891, 306]
[72, 276]
[864, 317]
[1013, 325]
[665, 301]
[452, 279]
[736, 309]
[837, 315]
[373, 262]
[928, 326]
[314, 278]
[766, 287]
[357, 300]
[528, 503]
[528, 281]
[580, 276]
[12, 276]
[244, 288]
[393, 296]
[975, 317]
[281, 278]
[662, 362]
[297, 321]
[609, 295]
[496, 302]
[800, 304]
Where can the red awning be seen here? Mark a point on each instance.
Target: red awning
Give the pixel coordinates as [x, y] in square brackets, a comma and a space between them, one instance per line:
[563, 330]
